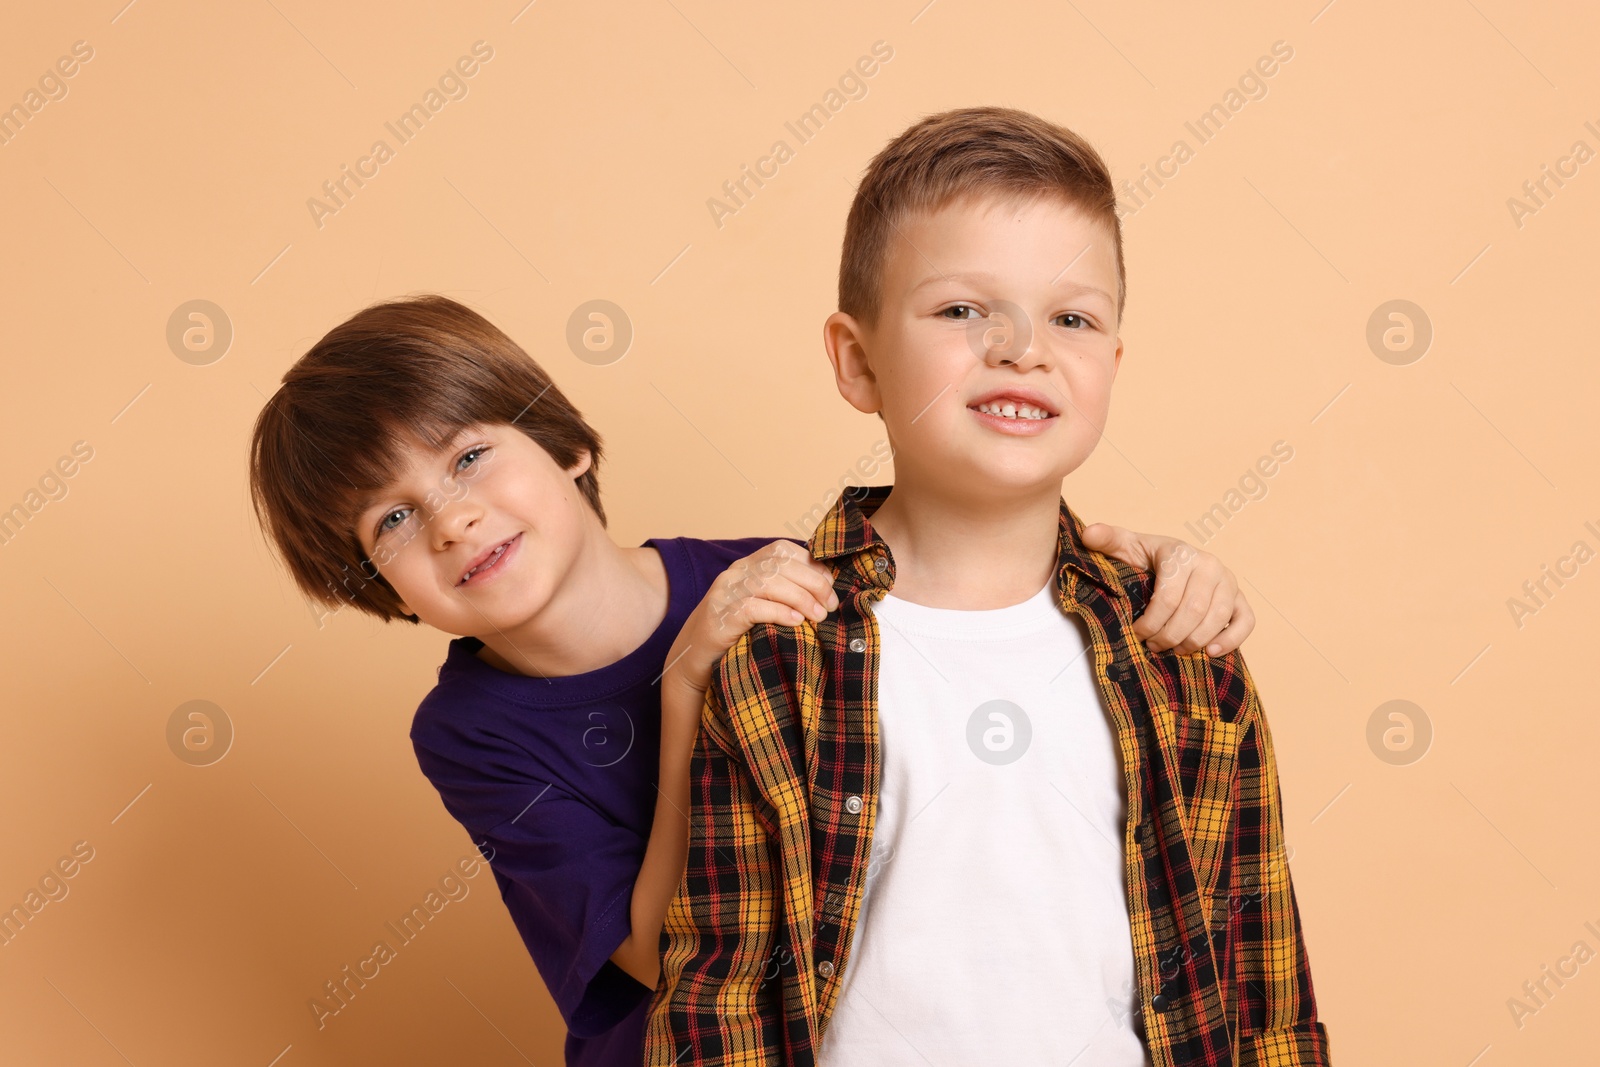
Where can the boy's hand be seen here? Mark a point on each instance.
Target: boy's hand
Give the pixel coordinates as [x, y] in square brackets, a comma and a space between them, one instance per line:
[1196, 601]
[779, 583]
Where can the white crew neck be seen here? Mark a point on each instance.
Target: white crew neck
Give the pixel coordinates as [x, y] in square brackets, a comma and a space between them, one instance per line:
[983, 624]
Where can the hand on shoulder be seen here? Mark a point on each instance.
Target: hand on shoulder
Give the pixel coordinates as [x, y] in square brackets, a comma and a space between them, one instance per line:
[778, 583]
[1196, 602]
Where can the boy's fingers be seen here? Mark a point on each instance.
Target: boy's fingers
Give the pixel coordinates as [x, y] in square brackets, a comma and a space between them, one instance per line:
[1164, 599]
[801, 597]
[744, 613]
[819, 579]
[1176, 565]
[779, 589]
[1238, 628]
[1207, 628]
[756, 610]
[1197, 598]
[803, 573]
[1117, 541]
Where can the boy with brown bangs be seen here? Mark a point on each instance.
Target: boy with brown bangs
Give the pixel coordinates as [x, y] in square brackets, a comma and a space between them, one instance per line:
[417, 465]
[968, 817]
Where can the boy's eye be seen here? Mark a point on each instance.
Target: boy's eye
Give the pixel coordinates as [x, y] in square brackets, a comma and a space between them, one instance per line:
[958, 312]
[1082, 323]
[469, 457]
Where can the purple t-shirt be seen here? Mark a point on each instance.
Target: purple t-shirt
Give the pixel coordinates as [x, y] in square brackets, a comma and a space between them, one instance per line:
[554, 778]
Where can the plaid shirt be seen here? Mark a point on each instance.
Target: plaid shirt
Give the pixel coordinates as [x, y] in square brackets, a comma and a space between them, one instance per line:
[784, 786]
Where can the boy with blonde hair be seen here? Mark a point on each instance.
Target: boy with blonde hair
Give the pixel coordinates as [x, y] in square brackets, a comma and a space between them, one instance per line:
[969, 817]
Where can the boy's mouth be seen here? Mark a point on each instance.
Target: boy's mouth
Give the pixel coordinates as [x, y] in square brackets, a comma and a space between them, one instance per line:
[1014, 410]
[488, 561]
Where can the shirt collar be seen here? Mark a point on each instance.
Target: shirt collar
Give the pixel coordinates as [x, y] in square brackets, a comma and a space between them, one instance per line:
[845, 535]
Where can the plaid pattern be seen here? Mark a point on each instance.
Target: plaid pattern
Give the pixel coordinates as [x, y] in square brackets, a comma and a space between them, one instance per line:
[758, 937]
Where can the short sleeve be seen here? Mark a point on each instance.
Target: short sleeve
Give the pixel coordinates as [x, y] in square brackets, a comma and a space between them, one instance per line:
[565, 872]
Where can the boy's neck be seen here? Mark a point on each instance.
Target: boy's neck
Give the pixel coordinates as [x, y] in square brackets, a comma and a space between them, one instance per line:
[607, 605]
[952, 551]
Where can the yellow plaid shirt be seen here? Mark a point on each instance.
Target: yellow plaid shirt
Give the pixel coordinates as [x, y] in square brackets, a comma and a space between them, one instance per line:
[784, 785]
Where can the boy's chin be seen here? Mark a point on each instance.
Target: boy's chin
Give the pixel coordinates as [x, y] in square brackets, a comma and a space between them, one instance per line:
[1002, 481]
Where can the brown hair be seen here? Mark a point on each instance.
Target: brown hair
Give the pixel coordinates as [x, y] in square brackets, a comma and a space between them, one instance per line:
[419, 370]
[974, 150]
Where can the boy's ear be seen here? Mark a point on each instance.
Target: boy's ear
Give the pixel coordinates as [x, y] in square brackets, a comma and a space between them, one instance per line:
[845, 339]
[580, 465]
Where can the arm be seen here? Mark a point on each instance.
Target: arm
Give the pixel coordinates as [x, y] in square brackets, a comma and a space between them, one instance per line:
[779, 583]
[1196, 602]
[667, 851]
[1278, 1022]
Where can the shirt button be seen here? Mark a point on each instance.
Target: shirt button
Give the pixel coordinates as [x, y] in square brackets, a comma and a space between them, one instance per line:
[853, 805]
[825, 968]
[1161, 1002]
[857, 645]
[880, 563]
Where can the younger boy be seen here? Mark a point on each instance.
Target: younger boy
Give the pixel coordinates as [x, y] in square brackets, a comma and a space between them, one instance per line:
[417, 465]
[969, 817]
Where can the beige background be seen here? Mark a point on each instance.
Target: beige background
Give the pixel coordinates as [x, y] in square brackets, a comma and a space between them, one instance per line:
[1420, 497]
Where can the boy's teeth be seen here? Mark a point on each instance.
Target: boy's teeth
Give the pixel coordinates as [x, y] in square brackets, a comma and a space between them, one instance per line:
[497, 554]
[1012, 411]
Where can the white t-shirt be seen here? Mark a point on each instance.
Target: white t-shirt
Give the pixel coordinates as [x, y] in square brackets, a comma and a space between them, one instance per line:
[994, 928]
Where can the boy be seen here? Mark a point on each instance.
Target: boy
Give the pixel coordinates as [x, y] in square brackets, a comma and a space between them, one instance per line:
[417, 465]
[968, 817]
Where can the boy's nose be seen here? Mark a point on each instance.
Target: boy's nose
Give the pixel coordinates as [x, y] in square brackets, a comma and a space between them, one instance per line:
[1005, 337]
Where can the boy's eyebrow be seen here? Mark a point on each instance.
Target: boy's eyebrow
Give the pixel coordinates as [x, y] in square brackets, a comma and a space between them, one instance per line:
[1073, 288]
